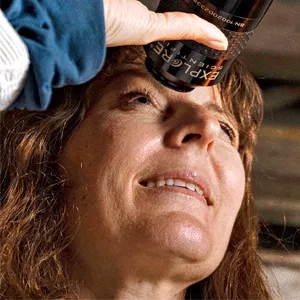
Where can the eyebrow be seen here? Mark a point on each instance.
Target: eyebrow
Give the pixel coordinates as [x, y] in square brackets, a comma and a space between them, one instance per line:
[215, 107]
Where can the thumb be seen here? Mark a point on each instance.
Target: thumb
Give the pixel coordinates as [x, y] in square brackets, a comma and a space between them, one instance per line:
[184, 26]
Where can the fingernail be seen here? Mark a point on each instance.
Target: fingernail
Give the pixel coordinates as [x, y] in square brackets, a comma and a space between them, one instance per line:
[218, 45]
[217, 39]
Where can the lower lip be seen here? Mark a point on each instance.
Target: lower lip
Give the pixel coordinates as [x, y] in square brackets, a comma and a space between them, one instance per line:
[178, 190]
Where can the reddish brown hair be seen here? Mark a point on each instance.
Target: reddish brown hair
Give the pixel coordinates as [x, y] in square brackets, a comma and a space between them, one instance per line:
[33, 213]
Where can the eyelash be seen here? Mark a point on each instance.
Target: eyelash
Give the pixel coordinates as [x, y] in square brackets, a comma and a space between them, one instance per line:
[130, 96]
[228, 130]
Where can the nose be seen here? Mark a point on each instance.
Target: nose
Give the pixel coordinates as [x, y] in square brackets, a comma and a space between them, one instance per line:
[197, 126]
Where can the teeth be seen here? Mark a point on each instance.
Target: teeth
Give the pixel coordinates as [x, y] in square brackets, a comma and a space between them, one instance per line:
[191, 186]
[169, 182]
[150, 184]
[160, 183]
[199, 191]
[175, 182]
[178, 182]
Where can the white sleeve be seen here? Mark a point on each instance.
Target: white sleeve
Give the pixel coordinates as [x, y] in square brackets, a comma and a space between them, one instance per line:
[14, 63]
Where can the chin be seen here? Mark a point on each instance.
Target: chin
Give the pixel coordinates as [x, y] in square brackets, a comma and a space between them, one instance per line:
[179, 237]
[181, 246]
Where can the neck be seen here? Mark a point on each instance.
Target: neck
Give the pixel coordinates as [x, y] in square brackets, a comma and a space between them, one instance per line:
[133, 290]
[103, 284]
[127, 289]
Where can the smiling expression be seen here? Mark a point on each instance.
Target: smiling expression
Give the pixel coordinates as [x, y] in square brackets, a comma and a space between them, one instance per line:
[155, 176]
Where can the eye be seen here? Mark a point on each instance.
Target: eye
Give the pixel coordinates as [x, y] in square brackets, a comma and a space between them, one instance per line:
[140, 99]
[227, 130]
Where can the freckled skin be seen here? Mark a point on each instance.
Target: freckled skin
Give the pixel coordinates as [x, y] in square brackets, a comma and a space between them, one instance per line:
[127, 232]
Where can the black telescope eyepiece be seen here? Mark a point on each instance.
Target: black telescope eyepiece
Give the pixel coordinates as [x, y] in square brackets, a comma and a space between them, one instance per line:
[184, 65]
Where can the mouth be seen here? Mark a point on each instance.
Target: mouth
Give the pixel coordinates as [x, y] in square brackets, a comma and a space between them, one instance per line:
[177, 185]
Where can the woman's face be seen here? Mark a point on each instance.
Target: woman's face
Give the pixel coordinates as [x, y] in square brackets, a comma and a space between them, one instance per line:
[138, 140]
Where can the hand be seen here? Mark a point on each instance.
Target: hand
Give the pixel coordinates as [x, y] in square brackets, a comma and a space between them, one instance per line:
[129, 22]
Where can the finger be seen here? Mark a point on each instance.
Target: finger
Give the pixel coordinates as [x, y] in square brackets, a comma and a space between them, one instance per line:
[183, 26]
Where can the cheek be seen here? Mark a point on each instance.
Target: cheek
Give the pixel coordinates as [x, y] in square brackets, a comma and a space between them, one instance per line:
[232, 189]
[234, 183]
[102, 160]
[231, 178]
[106, 145]
[123, 146]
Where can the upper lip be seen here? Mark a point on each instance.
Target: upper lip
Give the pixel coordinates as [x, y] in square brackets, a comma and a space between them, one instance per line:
[193, 177]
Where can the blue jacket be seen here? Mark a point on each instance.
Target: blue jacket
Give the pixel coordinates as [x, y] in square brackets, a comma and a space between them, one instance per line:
[66, 43]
